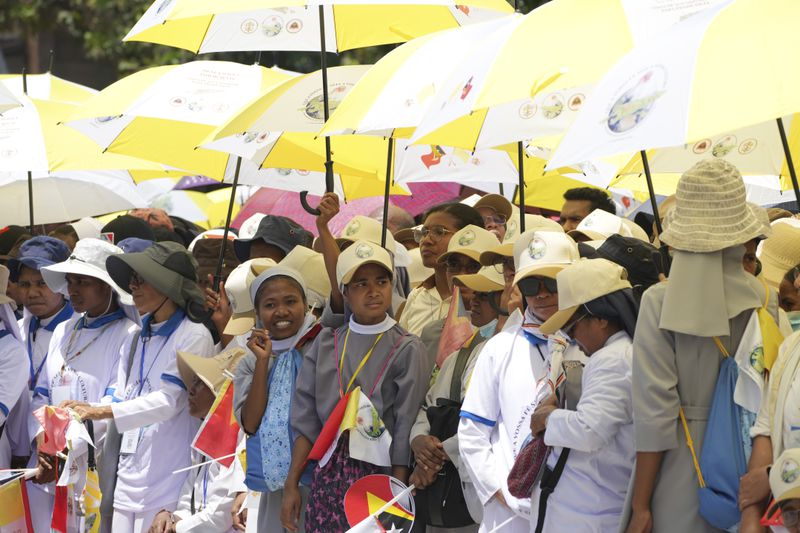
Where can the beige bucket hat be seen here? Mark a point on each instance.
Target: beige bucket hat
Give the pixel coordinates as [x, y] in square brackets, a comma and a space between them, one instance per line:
[581, 282]
[711, 211]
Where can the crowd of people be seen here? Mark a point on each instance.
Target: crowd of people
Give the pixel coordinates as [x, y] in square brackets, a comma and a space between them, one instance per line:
[611, 377]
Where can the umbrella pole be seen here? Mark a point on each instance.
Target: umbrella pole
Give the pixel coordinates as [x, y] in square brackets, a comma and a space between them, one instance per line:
[789, 162]
[650, 190]
[521, 186]
[323, 63]
[221, 259]
[387, 185]
[30, 174]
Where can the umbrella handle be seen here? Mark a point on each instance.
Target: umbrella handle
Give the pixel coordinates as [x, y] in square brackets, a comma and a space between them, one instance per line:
[304, 202]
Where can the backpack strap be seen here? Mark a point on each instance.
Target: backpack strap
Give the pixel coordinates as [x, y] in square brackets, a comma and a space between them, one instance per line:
[458, 370]
[689, 440]
[548, 486]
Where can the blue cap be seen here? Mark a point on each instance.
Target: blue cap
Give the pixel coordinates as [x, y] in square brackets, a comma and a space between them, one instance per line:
[134, 245]
[38, 252]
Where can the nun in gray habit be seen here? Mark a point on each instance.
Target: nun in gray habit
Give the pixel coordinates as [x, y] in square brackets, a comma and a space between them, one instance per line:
[675, 359]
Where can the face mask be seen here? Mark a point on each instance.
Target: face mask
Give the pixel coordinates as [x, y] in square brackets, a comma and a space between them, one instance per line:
[488, 330]
[794, 319]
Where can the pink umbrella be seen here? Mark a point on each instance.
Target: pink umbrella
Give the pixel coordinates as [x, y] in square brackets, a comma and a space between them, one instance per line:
[285, 203]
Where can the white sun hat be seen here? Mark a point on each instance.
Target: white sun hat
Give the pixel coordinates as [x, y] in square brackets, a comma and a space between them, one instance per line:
[89, 259]
[237, 288]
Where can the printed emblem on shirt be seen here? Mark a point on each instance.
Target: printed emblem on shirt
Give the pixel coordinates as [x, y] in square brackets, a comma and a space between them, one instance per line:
[467, 238]
[789, 471]
[364, 251]
[537, 248]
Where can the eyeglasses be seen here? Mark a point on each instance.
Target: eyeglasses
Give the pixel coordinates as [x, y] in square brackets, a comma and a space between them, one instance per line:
[498, 220]
[569, 328]
[436, 233]
[467, 266]
[504, 264]
[533, 285]
[136, 280]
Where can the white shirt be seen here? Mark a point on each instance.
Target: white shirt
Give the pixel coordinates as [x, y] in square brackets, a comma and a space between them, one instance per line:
[82, 364]
[496, 413]
[152, 400]
[591, 492]
[423, 306]
[13, 364]
[213, 499]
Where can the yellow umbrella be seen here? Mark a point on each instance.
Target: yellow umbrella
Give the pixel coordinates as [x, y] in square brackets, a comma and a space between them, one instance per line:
[716, 72]
[211, 26]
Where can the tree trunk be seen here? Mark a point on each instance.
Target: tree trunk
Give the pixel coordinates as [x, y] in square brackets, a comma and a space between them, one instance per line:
[32, 63]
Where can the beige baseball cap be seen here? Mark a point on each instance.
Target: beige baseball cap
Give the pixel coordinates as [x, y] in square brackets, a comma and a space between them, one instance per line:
[543, 253]
[471, 241]
[361, 253]
[237, 287]
[213, 371]
[488, 279]
[581, 282]
[361, 228]
[784, 477]
[497, 202]
[532, 222]
[310, 265]
[600, 225]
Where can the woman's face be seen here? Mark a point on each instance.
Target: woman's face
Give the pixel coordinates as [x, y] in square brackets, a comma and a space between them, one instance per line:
[146, 298]
[459, 265]
[543, 302]
[369, 294]
[788, 296]
[201, 398]
[88, 294]
[281, 307]
[481, 311]
[441, 227]
[591, 333]
[35, 295]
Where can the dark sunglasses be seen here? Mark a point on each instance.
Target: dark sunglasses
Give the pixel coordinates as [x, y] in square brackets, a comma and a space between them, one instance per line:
[532, 286]
[467, 266]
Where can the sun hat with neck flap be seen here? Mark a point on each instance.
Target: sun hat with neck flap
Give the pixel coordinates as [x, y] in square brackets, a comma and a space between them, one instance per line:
[711, 212]
[170, 269]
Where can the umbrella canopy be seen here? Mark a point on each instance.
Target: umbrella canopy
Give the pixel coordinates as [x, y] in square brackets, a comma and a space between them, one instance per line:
[211, 26]
[717, 71]
[47, 87]
[65, 195]
[7, 99]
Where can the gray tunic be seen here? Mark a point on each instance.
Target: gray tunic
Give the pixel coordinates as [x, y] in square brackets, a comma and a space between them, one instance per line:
[672, 370]
[399, 390]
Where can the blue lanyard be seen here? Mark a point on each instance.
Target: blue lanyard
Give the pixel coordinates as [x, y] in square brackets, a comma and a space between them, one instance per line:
[205, 484]
[142, 375]
[62, 315]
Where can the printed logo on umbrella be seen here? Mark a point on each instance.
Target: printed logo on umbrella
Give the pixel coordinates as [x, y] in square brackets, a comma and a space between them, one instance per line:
[637, 99]
[370, 493]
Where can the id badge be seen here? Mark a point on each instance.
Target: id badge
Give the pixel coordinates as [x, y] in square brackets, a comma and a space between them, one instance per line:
[60, 394]
[130, 441]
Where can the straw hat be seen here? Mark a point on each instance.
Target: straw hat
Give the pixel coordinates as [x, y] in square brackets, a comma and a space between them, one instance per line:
[581, 282]
[471, 241]
[237, 288]
[488, 279]
[781, 252]
[711, 211]
[543, 253]
[213, 371]
[359, 254]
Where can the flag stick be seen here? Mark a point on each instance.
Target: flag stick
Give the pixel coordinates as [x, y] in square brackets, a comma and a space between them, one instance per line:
[178, 471]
